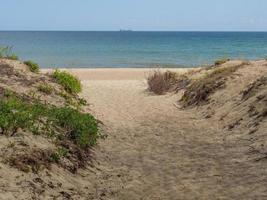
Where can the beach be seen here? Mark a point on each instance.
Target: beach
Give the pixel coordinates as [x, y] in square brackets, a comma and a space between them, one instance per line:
[153, 150]
[150, 146]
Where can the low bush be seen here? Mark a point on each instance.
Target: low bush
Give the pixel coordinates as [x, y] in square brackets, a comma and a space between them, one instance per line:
[70, 83]
[34, 67]
[161, 82]
[61, 122]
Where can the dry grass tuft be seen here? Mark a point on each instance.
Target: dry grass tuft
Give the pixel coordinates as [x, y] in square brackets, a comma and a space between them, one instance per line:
[162, 82]
[200, 89]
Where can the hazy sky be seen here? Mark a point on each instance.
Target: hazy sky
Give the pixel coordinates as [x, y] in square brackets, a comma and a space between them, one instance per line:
[174, 15]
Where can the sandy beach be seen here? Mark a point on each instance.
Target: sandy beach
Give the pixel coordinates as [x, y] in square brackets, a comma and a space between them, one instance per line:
[154, 151]
[151, 148]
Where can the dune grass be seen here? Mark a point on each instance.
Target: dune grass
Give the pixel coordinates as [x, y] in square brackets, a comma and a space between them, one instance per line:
[70, 83]
[45, 88]
[162, 82]
[34, 67]
[200, 89]
[6, 52]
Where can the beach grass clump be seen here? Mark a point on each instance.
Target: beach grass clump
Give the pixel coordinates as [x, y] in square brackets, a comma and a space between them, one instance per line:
[6, 52]
[62, 122]
[160, 82]
[45, 88]
[12, 57]
[34, 67]
[200, 89]
[221, 61]
[70, 83]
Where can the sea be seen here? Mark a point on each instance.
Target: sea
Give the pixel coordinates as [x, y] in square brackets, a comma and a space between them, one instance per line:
[124, 49]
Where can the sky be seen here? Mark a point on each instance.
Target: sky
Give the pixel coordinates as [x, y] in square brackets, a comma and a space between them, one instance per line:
[138, 15]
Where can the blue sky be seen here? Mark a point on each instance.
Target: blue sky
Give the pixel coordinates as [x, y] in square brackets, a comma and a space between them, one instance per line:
[162, 15]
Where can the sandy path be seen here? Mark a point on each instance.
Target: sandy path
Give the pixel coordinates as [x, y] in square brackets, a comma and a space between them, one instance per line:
[156, 151]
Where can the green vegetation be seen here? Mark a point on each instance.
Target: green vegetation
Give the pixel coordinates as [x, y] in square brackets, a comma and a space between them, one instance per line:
[6, 52]
[221, 61]
[45, 88]
[60, 122]
[34, 67]
[70, 83]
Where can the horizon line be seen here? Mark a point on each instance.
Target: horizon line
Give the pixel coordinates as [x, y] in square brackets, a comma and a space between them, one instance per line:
[129, 30]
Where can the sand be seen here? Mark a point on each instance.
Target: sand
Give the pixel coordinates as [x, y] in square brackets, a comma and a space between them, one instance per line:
[154, 151]
[151, 149]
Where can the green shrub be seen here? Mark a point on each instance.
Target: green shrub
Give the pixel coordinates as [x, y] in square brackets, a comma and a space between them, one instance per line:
[45, 88]
[70, 83]
[63, 122]
[34, 67]
[82, 127]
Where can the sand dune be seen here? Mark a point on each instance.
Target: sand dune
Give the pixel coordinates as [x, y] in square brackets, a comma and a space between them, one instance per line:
[153, 150]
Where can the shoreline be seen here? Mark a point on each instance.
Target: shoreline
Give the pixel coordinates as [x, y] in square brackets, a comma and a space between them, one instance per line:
[115, 73]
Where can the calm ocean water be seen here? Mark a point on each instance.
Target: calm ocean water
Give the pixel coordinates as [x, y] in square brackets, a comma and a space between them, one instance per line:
[133, 49]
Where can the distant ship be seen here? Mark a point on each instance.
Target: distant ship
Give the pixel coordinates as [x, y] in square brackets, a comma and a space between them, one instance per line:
[122, 30]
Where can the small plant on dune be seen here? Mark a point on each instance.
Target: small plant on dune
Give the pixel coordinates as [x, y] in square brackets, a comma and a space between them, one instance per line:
[13, 57]
[70, 83]
[45, 88]
[161, 82]
[6, 52]
[58, 154]
[221, 61]
[34, 67]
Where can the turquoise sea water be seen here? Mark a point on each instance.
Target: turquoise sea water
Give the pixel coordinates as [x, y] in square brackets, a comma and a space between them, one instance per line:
[133, 49]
